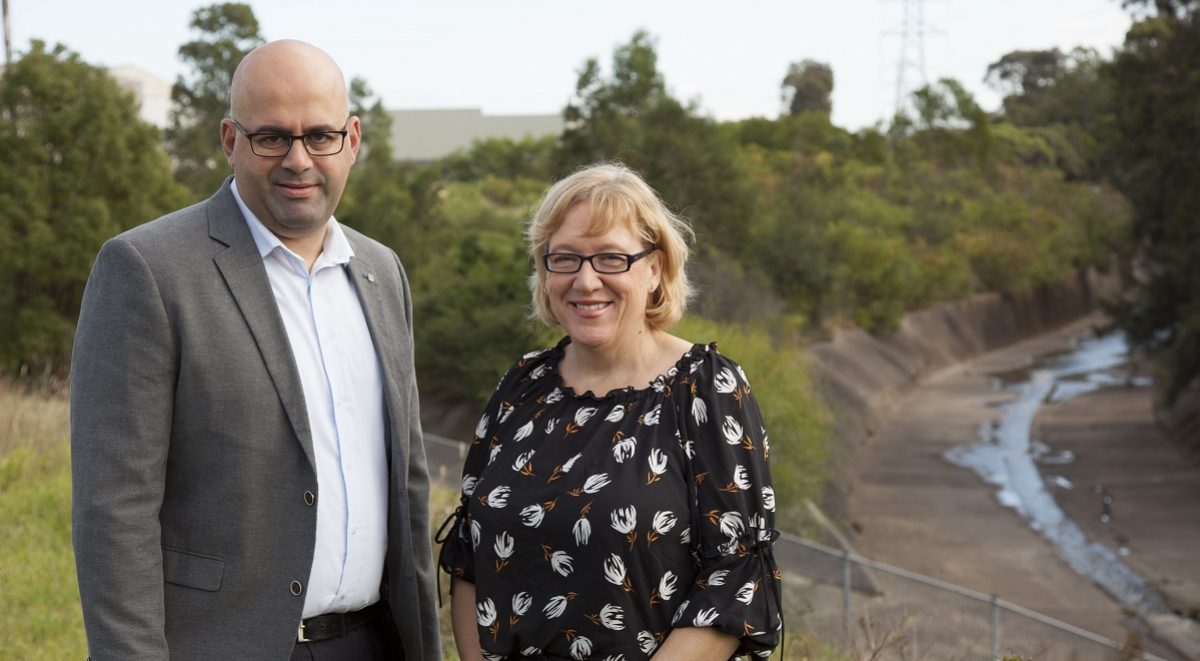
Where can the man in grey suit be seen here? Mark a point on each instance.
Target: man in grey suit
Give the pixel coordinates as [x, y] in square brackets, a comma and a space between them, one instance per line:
[248, 468]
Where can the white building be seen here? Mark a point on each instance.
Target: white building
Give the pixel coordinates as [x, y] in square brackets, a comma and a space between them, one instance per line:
[153, 94]
[426, 135]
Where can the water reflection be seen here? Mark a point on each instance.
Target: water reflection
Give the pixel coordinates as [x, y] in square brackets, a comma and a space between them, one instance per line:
[1008, 458]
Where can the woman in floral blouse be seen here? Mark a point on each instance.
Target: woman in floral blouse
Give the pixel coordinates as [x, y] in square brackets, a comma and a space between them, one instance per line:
[616, 498]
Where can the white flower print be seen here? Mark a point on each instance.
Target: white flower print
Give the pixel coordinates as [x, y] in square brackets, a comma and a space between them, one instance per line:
[685, 537]
[658, 465]
[468, 484]
[759, 522]
[550, 425]
[531, 651]
[689, 448]
[679, 611]
[768, 494]
[481, 428]
[732, 430]
[524, 431]
[624, 521]
[666, 586]
[725, 381]
[731, 524]
[539, 371]
[662, 524]
[534, 354]
[582, 531]
[651, 418]
[614, 569]
[584, 414]
[646, 641]
[506, 410]
[521, 602]
[503, 546]
[555, 607]
[521, 464]
[581, 648]
[555, 396]
[615, 414]
[566, 468]
[624, 449]
[745, 594]
[741, 477]
[743, 375]
[596, 483]
[615, 657]
[485, 612]
[705, 617]
[532, 515]
[476, 534]
[718, 577]
[498, 497]
[612, 617]
[488, 656]
[560, 562]
[494, 453]
[699, 411]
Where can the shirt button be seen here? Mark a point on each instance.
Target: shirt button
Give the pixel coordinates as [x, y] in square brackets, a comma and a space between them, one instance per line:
[297, 588]
[309, 498]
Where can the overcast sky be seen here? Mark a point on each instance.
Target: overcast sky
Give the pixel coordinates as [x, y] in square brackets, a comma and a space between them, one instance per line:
[522, 56]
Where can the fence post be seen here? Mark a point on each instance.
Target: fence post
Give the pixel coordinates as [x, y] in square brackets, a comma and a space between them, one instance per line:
[846, 594]
[995, 628]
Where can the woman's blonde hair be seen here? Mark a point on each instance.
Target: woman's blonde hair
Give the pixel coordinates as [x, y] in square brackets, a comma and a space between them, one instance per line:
[617, 196]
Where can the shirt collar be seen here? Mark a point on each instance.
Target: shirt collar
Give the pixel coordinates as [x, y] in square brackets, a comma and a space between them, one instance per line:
[335, 249]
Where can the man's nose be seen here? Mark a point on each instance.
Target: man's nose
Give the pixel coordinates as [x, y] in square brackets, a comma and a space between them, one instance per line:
[297, 159]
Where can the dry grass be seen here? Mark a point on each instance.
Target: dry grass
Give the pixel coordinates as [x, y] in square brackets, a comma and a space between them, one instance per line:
[31, 418]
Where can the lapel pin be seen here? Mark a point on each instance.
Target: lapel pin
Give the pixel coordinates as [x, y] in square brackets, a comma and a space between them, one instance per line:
[369, 276]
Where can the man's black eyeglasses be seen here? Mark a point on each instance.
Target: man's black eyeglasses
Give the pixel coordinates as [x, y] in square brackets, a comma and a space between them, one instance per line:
[602, 262]
[271, 144]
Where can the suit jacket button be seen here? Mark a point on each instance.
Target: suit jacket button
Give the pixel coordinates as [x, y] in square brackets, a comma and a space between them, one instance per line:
[297, 588]
[309, 498]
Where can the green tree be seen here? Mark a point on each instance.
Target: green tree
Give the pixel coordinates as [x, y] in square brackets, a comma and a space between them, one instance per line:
[79, 167]
[226, 33]
[630, 116]
[379, 199]
[1157, 79]
[1063, 98]
[808, 87]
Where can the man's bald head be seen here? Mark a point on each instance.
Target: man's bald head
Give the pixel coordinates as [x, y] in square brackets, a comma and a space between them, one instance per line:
[286, 63]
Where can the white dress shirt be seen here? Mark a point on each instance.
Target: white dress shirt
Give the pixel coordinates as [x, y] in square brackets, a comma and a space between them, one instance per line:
[343, 391]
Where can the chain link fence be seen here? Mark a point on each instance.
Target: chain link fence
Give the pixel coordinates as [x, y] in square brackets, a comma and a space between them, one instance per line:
[862, 609]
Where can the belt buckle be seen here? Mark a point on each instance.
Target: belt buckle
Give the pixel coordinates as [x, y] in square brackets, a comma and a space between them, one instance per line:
[300, 634]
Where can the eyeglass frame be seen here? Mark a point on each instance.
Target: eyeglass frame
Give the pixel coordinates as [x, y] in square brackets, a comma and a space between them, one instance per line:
[629, 260]
[292, 139]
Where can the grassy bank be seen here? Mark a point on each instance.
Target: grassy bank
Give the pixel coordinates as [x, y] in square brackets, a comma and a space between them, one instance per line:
[37, 568]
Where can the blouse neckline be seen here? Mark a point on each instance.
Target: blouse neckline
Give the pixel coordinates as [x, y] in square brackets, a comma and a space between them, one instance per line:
[656, 385]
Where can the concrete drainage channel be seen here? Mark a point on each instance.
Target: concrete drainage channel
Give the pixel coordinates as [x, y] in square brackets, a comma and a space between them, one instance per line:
[1008, 457]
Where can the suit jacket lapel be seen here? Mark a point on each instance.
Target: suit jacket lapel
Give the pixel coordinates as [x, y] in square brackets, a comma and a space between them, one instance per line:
[242, 268]
[365, 276]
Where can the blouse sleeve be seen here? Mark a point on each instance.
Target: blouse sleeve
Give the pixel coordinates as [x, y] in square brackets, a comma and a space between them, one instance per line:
[738, 585]
[457, 554]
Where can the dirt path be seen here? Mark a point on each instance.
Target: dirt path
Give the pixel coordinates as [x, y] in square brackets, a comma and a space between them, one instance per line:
[914, 509]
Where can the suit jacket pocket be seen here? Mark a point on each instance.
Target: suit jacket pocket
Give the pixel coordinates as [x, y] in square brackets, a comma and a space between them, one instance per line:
[192, 570]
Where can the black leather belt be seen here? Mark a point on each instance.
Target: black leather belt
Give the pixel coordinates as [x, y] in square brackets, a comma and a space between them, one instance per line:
[333, 625]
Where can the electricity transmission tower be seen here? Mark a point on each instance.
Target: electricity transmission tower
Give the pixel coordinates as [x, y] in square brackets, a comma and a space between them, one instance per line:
[910, 71]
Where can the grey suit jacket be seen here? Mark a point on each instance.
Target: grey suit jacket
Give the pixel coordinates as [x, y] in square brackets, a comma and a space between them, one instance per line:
[192, 455]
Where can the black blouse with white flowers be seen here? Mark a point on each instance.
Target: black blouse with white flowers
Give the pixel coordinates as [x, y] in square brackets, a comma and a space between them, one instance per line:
[591, 526]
